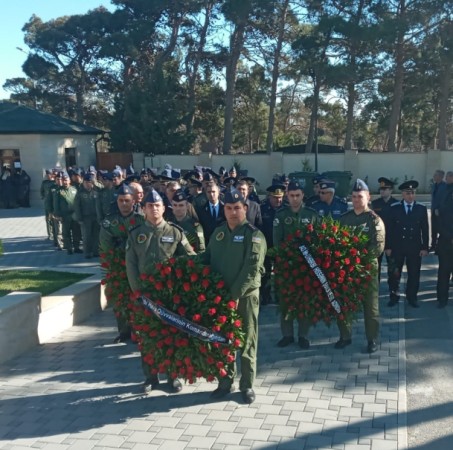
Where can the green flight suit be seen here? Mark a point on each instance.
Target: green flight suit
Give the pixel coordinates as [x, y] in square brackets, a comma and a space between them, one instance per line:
[64, 209]
[46, 186]
[115, 230]
[105, 198]
[147, 245]
[193, 231]
[286, 222]
[238, 255]
[373, 226]
[56, 223]
[85, 215]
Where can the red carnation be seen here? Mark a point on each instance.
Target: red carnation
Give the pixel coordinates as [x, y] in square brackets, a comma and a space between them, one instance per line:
[206, 271]
[186, 287]
[193, 277]
[231, 304]
[201, 298]
[205, 283]
[217, 299]
[222, 319]
[237, 323]
[220, 284]
[181, 310]
[191, 263]
[176, 299]
[179, 273]
[212, 311]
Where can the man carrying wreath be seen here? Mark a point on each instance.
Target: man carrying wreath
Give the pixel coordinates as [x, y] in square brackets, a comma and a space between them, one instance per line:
[236, 250]
[155, 241]
[370, 223]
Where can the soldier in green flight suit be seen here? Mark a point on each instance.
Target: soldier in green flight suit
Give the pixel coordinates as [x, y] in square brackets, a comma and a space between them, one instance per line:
[155, 241]
[63, 210]
[115, 230]
[106, 197]
[192, 228]
[85, 215]
[288, 219]
[46, 185]
[236, 250]
[366, 219]
[49, 206]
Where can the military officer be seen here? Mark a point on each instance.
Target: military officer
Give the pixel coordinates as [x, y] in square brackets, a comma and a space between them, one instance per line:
[236, 251]
[288, 219]
[49, 206]
[273, 202]
[105, 198]
[115, 229]
[329, 204]
[381, 206]
[46, 185]
[63, 210]
[407, 242]
[192, 228]
[85, 214]
[315, 197]
[155, 241]
[445, 247]
[366, 219]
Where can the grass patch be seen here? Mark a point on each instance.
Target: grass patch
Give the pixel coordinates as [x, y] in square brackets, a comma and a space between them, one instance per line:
[44, 281]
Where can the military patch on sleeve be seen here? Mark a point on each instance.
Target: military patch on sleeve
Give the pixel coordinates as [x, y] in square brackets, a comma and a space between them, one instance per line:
[276, 222]
[106, 223]
[220, 236]
[114, 222]
[288, 220]
[141, 238]
[256, 239]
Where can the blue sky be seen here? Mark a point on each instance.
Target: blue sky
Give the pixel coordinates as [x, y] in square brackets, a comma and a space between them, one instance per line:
[16, 13]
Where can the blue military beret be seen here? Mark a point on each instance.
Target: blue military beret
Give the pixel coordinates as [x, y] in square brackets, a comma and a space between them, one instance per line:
[233, 196]
[153, 197]
[359, 186]
[317, 179]
[78, 171]
[327, 184]
[64, 174]
[117, 173]
[294, 186]
[87, 177]
[208, 177]
[125, 189]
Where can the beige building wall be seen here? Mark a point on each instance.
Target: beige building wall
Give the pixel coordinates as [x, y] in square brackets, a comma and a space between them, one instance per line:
[39, 152]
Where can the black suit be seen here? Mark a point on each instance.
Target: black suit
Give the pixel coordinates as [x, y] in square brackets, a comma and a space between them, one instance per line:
[208, 222]
[445, 248]
[408, 235]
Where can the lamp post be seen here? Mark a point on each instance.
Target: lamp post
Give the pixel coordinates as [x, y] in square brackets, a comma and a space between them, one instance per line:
[312, 74]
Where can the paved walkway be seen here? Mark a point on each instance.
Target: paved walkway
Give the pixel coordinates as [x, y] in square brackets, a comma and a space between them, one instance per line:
[80, 391]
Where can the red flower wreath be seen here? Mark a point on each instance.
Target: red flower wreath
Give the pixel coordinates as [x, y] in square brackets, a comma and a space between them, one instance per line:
[193, 291]
[341, 254]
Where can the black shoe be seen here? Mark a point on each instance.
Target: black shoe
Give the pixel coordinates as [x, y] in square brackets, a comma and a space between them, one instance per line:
[175, 385]
[392, 302]
[122, 337]
[372, 346]
[222, 392]
[285, 341]
[304, 343]
[342, 343]
[248, 396]
[414, 304]
[77, 250]
[149, 385]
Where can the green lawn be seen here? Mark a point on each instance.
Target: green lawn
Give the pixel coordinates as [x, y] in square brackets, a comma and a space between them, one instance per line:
[44, 281]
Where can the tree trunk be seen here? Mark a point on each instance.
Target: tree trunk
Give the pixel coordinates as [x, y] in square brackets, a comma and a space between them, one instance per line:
[313, 116]
[445, 83]
[398, 86]
[350, 116]
[236, 45]
[275, 76]
[192, 77]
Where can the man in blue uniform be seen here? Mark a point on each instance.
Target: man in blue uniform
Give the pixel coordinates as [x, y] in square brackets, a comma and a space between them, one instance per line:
[329, 204]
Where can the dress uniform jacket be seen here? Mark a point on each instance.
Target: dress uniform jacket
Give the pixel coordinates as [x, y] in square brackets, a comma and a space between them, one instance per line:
[149, 244]
[408, 233]
[335, 209]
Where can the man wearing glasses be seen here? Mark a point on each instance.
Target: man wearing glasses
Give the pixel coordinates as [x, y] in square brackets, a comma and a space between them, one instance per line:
[329, 204]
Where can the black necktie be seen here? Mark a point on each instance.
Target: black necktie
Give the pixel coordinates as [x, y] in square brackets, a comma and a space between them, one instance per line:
[409, 207]
[214, 215]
